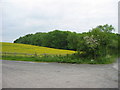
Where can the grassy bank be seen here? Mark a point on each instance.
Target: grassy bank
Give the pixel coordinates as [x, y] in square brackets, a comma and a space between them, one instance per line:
[62, 59]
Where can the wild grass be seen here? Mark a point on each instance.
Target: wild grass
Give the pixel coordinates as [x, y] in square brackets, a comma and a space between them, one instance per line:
[61, 59]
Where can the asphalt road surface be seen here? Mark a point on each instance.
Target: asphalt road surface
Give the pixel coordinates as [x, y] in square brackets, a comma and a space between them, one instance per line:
[17, 74]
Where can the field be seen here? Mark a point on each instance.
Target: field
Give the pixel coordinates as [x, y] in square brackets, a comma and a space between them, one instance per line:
[24, 52]
[31, 49]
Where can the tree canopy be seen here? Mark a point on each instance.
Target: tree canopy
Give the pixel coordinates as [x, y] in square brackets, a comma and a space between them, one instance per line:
[99, 41]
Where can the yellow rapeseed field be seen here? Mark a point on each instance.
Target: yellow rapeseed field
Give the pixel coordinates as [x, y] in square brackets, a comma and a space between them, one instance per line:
[31, 49]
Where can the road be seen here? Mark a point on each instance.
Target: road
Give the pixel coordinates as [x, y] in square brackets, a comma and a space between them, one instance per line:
[20, 74]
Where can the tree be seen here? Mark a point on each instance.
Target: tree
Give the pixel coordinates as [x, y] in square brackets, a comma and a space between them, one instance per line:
[73, 39]
[106, 28]
[98, 42]
[95, 43]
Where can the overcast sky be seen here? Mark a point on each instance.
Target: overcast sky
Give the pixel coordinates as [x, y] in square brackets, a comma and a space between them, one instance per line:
[21, 17]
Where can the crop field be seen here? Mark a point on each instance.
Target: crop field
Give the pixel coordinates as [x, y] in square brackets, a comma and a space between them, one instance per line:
[31, 49]
[24, 52]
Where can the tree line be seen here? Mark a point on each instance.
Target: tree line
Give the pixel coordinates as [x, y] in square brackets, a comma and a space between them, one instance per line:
[97, 42]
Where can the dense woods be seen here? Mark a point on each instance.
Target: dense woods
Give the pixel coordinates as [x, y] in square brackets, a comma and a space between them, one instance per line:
[99, 41]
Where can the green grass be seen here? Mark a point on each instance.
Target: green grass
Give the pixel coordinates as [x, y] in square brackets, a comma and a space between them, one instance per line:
[61, 59]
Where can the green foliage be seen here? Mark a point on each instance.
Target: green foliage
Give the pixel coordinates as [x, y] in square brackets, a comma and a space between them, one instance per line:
[98, 42]
[56, 39]
[106, 28]
[73, 39]
[62, 59]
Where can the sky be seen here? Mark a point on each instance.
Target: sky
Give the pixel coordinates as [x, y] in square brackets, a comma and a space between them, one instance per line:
[21, 17]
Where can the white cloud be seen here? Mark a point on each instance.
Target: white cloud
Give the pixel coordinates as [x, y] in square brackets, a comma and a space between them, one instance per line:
[23, 16]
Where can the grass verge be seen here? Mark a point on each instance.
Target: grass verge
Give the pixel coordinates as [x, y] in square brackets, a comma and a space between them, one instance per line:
[62, 59]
